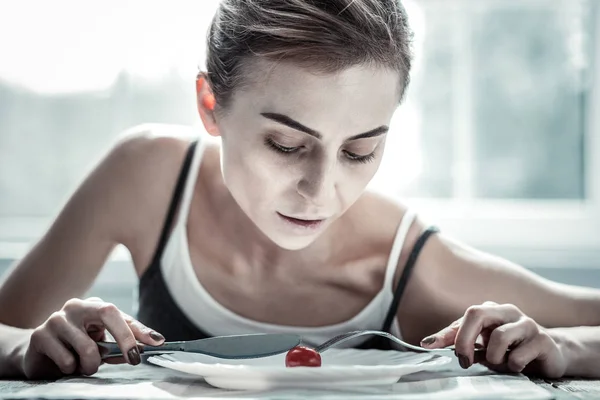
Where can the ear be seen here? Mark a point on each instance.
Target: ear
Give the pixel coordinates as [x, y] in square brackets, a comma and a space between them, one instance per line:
[206, 102]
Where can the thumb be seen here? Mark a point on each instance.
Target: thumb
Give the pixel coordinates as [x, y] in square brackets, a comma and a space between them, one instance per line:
[444, 338]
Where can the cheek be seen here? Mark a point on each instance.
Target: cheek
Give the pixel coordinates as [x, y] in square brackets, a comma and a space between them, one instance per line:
[238, 175]
[254, 180]
[354, 182]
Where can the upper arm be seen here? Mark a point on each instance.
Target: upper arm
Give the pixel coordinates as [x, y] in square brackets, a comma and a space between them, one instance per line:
[449, 277]
[102, 212]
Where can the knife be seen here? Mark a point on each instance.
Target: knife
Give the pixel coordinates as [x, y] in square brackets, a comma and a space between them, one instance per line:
[229, 347]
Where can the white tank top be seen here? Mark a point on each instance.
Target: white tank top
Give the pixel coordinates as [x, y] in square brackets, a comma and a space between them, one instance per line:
[215, 319]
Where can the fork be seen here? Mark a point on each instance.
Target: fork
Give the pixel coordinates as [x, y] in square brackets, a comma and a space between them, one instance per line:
[354, 334]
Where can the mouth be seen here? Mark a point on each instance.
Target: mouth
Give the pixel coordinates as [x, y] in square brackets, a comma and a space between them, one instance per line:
[303, 222]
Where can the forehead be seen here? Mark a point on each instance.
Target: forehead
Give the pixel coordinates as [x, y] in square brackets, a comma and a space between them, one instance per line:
[358, 98]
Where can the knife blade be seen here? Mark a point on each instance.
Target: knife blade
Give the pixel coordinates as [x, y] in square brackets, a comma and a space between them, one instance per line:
[228, 347]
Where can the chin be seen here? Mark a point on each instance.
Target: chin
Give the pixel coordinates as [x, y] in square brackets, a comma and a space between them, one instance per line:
[290, 235]
[292, 243]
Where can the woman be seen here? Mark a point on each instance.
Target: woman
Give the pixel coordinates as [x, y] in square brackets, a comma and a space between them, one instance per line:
[272, 231]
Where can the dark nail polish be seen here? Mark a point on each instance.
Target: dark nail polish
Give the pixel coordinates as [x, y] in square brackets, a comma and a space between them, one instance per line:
[134, 356]
[156, 336]
[428, 340]
[463, 361]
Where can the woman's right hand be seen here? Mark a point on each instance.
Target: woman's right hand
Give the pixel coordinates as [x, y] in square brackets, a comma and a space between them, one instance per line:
[65, 343]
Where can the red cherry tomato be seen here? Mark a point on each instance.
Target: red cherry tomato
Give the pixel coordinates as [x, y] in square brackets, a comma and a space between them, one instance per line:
[302, 356]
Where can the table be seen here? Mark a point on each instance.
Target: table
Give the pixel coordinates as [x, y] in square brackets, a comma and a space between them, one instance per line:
[150, 382]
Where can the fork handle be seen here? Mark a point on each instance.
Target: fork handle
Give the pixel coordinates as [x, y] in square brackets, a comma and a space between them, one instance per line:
[111, 349]
[479, 351]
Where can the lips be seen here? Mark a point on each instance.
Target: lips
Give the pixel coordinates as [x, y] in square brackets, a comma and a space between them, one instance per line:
[303, 222]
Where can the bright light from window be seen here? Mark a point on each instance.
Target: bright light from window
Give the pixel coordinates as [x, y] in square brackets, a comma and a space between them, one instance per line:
[70, 45]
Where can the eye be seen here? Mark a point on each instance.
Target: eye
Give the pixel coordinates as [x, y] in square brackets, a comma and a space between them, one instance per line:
[358, 158]
[279, 148]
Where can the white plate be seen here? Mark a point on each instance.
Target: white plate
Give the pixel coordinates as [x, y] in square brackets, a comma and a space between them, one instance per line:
[340, 367]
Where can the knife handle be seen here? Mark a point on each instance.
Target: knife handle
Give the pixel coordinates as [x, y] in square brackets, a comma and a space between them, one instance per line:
[111, 349]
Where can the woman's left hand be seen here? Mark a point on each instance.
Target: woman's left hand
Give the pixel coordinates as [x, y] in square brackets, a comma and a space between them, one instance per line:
[498, 328]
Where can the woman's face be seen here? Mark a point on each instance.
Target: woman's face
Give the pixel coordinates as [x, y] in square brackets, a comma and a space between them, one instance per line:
[299, 148]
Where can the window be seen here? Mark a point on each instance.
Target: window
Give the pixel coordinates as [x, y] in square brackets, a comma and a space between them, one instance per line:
[497, 141]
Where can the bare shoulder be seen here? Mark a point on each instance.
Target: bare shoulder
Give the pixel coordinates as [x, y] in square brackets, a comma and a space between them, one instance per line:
[378, 217]
[377, 214]
[141, 171]
[144, 158]
[151, 145]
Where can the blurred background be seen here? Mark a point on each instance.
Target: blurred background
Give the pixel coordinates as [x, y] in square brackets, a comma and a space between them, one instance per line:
[498, 141]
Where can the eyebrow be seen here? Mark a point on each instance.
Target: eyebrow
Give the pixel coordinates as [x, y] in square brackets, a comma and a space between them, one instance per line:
[289, 122]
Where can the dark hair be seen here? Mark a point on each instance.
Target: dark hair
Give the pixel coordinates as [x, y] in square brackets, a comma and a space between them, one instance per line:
[324, 35]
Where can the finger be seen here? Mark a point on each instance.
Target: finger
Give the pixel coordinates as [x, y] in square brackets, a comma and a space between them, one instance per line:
[483, 338]
[142, 332]
[490, 303]
[97, 335]
[84, 346]
[95, 299]
[91, 313]
[476, 319]
[523, 354]
[447, 336]
[443, 338]
[509, 336]
[115, 323]
[45, 343]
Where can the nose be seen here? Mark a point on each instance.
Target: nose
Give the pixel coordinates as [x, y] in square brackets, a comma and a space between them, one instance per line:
[318, 183]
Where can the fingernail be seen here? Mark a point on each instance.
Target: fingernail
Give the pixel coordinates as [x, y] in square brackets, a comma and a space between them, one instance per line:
[156, 336]
[134, 356]
[463, 361]
[429, 340]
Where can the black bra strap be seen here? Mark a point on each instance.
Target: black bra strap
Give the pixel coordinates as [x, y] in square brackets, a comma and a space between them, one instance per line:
[410, 264]
[177, 193]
